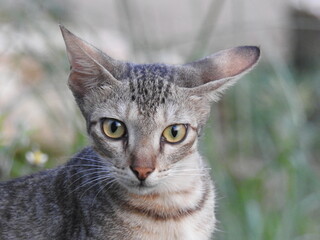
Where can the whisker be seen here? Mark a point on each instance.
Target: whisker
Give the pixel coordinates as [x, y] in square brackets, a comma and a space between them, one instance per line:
[89, 181]
[88, 169]
[83, 157]
[76, 169]
[86, 165]
[186, 165]
[95, 171]
[90, 158]
[99, 160]
[186, 170]
[110, 184]
[186, 174]
[97, 181]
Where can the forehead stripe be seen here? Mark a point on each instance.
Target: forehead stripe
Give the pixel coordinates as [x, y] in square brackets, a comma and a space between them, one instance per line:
[150, 86]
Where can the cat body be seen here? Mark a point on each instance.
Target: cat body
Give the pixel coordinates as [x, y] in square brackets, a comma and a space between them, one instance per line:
[143, 177]
[61, 204]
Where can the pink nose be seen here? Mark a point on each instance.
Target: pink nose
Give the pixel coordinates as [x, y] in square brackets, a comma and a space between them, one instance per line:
[142, 172]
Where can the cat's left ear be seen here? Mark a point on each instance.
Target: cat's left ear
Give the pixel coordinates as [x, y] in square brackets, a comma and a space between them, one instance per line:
[211, 76]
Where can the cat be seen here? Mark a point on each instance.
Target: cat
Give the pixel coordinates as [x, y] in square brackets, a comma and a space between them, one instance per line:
[142, 177]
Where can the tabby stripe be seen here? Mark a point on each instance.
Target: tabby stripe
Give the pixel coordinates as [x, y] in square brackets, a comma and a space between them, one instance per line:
[185, 150]
[90, 125]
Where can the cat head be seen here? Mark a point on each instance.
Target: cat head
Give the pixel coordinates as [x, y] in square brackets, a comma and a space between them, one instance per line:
[145, 119]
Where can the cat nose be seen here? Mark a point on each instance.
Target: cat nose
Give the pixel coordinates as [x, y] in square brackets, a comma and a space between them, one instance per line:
[142, 172]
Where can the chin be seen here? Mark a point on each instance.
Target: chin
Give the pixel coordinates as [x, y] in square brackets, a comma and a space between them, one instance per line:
[142, 189]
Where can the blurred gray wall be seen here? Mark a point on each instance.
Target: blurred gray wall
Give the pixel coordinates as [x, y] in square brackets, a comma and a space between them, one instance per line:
[171, 30]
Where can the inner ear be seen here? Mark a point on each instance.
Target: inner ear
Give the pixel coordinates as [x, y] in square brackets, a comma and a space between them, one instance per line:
[89, 66]
[225, 64]
[211, 76]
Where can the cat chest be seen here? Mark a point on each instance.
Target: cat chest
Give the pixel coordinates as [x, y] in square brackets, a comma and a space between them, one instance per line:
[186, 229]
[193, 225]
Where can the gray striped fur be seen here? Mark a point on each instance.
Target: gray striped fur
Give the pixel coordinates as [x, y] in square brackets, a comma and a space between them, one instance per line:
[97, 194]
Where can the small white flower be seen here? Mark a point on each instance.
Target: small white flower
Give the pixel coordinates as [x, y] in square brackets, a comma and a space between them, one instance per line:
[37, 158]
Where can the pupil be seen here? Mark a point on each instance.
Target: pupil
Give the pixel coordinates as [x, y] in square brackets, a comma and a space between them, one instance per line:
[114, 126]
[174, 131]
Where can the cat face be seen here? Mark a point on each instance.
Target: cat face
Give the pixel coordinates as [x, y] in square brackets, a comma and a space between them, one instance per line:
[144, 119]
[148, 137]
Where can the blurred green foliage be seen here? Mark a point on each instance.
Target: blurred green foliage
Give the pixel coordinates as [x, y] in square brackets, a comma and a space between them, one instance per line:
[264, 156]
[262, 139]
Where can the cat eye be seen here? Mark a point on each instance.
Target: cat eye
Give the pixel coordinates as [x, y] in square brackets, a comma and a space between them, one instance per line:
[113, 128]
[175, 133]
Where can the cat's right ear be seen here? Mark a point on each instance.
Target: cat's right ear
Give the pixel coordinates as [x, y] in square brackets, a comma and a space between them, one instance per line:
[90, 67]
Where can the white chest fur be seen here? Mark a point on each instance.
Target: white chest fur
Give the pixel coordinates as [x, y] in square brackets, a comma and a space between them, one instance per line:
[184, 216]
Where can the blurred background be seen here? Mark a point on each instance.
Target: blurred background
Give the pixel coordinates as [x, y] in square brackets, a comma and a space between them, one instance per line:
[263, 138]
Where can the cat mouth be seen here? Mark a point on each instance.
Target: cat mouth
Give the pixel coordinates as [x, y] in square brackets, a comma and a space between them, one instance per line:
[141, 187]
[143, 184]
